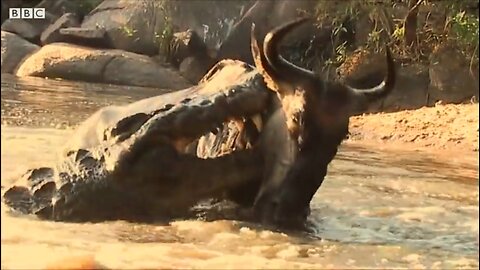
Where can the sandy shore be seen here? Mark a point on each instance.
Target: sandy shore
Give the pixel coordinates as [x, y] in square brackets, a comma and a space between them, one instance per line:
[443, 128]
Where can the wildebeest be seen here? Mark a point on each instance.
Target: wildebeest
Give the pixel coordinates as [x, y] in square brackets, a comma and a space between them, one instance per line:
[315, 114]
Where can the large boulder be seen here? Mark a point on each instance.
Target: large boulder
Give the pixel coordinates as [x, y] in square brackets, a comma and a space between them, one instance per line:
[411, 90]
[14, 50]
[265, 15]
[453, 79]
[237, 45]
[6, 4]
[32, 29]
[211, 19]
[131, 25]
[141, 26]
[73, 62]
[4, 10]
[134, 69]
[193, 68]
[364, 69]
[29, 29]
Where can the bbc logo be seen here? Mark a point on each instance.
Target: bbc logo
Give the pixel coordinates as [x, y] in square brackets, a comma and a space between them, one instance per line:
[26, 13]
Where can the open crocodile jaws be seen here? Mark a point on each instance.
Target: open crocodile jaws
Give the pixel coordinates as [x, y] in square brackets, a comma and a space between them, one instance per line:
[131, 162]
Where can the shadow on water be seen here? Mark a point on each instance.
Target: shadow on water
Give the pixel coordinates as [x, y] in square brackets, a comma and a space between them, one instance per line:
[376, 208]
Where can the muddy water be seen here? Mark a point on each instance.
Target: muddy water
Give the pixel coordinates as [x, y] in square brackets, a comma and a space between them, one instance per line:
[376, 209]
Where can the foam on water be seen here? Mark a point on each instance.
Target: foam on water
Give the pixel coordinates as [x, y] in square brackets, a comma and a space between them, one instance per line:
[363, 222]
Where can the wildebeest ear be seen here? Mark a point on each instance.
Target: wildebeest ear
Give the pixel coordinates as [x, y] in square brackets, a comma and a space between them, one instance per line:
[261, 62]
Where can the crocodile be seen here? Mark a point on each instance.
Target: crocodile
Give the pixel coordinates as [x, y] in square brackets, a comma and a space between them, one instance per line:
[261, 136]
[135, 162]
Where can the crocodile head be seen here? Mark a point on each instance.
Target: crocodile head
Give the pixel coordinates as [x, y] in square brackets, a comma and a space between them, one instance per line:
[135, 162]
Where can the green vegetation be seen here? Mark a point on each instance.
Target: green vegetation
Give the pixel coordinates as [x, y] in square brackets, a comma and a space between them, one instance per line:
[412, 28]
[165, 35]
[464, 29]
[129, 32]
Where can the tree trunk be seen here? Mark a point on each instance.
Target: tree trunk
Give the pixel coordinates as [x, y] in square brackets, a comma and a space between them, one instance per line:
[411, 23]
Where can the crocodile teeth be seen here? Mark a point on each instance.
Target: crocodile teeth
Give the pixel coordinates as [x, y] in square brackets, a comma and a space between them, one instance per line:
[257, 120]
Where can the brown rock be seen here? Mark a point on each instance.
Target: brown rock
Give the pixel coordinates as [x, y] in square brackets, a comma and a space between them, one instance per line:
[266, 15]
[72, 62]
[364, 69]
[452, 79]
[27, 29]
[131, 25]
[14, 50]
[138, 26]
[133, 69]
[194, 68]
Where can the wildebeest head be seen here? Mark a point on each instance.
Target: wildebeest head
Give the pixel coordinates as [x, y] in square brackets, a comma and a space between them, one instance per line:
[317, 117]
[304, 92]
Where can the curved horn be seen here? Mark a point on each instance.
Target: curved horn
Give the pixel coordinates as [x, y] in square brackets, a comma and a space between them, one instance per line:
[282, 67]
[384, 88]
[261, 63]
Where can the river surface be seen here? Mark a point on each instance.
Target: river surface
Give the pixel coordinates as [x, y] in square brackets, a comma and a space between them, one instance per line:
[376, 209]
